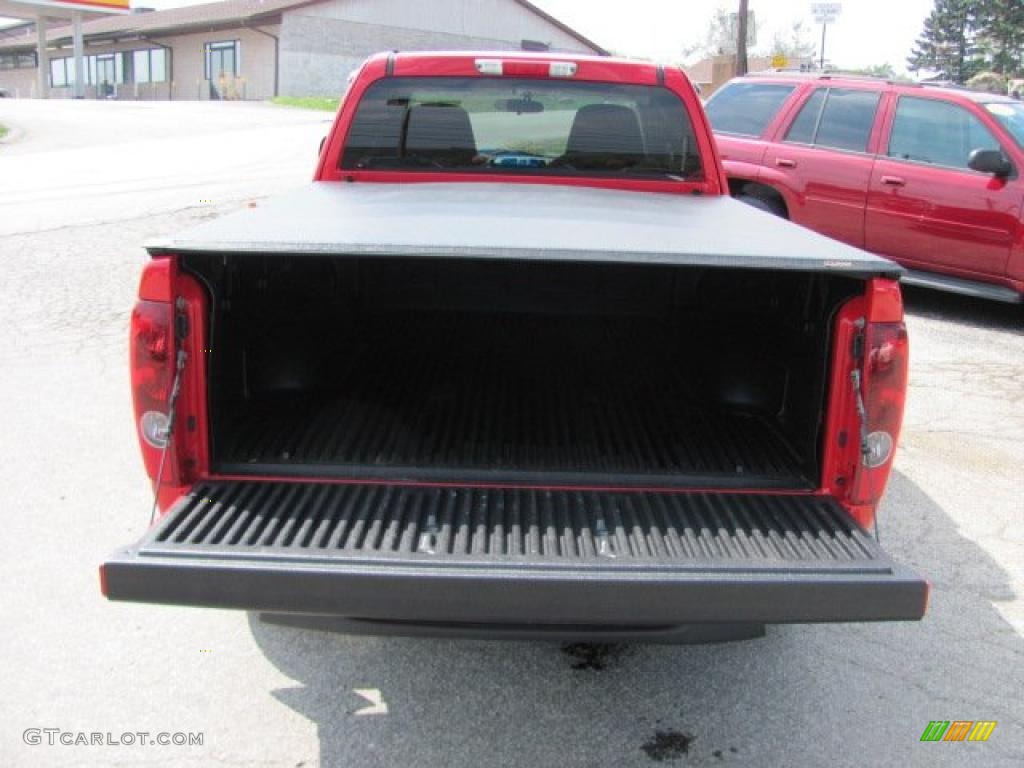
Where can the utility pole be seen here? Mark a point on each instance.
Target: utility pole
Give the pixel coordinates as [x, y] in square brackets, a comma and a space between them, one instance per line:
[741, 39]
[825, 14]
[824, 26]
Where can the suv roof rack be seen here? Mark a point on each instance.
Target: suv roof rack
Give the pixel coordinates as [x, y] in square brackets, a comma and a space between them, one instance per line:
[832, 75]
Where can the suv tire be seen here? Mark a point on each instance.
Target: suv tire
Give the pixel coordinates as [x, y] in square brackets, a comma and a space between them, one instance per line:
[768, 206]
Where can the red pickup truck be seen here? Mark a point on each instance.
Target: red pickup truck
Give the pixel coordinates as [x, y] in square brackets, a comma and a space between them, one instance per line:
[516, 364]
[927, 176]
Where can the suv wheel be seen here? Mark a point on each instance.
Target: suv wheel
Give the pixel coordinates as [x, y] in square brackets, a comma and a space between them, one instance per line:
[768, 206]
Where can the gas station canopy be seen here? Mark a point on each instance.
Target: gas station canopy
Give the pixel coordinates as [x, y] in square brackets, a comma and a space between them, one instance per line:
[61, 11]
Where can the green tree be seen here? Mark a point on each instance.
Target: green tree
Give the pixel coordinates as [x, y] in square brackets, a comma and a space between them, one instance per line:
[1001, 34]
[989, 82]
[884, 71]
[795, 44]
[717, 39]
[721, 36]
[948, 42]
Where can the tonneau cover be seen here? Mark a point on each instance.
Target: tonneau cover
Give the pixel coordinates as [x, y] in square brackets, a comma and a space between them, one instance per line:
[497, 220]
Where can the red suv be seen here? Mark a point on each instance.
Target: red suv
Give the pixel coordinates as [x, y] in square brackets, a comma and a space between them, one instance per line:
[928, 176]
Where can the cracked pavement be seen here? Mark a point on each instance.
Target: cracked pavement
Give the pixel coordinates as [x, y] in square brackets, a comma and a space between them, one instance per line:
[86, 183]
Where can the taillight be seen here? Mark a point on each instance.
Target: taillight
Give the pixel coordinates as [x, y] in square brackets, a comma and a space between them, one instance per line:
[883, 387]
[518, 68]
[152, 375]
[151, 350]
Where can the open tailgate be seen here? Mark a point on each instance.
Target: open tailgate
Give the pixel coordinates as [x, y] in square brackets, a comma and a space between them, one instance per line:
[386, 551]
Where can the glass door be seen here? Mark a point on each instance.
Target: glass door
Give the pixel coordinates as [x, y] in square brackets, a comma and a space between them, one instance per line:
[221, 68]
[105, 76]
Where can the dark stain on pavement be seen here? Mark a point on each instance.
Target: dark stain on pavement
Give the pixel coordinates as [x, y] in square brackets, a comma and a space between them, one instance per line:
[667, 745]
[594, 656]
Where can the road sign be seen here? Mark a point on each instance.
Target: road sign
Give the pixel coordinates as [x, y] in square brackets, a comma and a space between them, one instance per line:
[826, 13]
[728, 45]
[780, 61]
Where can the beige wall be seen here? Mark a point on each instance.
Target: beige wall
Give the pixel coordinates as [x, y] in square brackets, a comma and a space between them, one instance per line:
[501, 22]
[322, 44]
[18, 82]
[257, 63]
[723, 69]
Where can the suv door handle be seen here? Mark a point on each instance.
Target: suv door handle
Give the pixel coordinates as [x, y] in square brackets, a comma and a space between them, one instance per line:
[783, 162]
[894, 181]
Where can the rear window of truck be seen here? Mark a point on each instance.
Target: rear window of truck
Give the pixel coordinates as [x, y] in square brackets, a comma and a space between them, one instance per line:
[522, 126]
[745, 109]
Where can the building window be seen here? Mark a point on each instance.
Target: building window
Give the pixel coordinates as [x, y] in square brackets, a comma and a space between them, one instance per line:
[157, 65]
[221, 59]
[17, 61]
[99, 69]
[149, 65]
[104, 72]
[535, 45]
[140, 66]
[62, 72]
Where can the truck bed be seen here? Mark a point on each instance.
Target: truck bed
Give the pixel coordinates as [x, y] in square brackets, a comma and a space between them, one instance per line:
[577, 399]
[456, 370]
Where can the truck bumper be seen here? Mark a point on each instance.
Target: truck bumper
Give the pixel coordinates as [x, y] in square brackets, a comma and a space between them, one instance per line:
[449, 556]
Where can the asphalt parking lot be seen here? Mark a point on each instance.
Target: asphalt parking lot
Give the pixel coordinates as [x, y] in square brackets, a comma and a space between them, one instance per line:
[85, 183]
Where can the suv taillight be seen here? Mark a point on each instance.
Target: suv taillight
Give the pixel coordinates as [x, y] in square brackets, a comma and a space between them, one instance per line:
[883, 387]
[152, 374]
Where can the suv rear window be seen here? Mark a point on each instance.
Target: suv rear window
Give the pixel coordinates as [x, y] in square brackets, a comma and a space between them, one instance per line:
[746, 108]
[937, 133]
[836, 118]
[522, 126]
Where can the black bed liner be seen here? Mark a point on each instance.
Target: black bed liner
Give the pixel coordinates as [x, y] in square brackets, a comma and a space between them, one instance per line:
[574, 403]
[509, 555]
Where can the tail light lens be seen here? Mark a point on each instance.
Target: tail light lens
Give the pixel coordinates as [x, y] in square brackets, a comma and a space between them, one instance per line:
[514, 68]
[883, 387]
[151, 350]
[152, 375]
